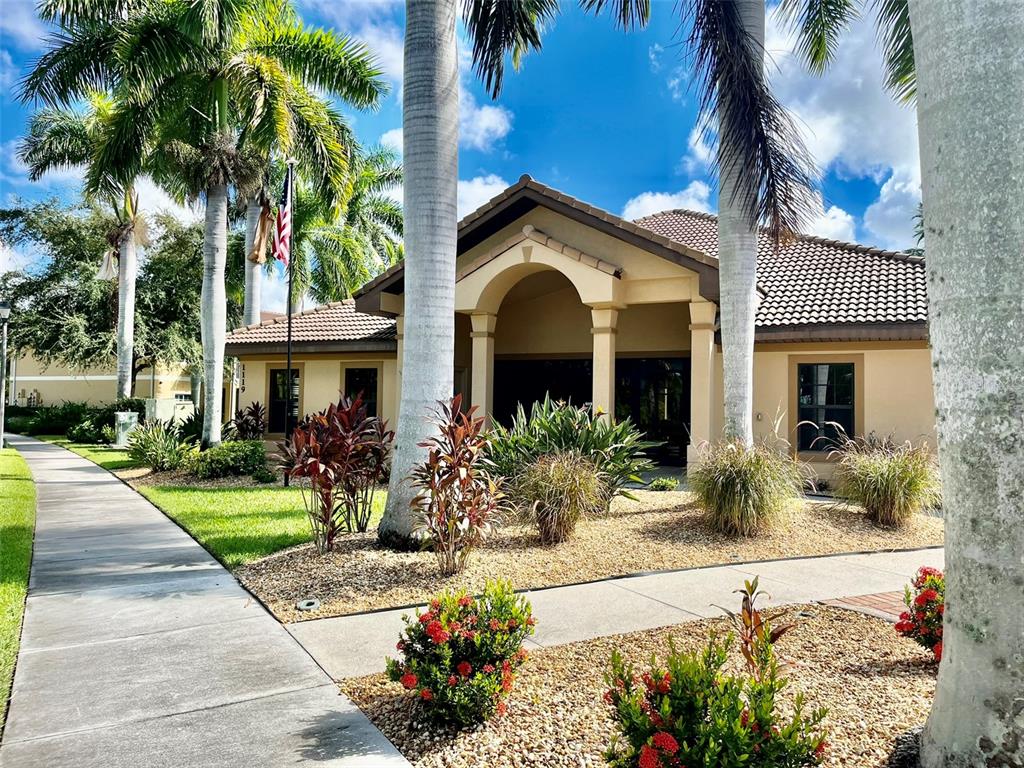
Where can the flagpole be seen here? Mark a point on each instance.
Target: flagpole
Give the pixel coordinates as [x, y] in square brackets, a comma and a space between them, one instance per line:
[288, 309]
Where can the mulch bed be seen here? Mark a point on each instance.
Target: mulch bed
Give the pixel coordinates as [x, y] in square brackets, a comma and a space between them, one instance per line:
[876, 686]
[659, 531]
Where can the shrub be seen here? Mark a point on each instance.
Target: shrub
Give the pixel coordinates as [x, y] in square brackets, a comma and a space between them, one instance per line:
[159, 445]
[458, 498]
[250, 423]
[343, 453]
[108, 434]
[191, 427]
[18, 424]
[104, 417]
[926, 606]
[233, 458]
[58, 419]
[743, 490]
[663, 484]
[689, 712]
[615, 448]
[890, 481]
[87, 431]
[460, 657]
[561, 488]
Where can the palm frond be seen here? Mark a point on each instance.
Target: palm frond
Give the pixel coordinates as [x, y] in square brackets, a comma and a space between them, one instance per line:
[818, 24]
[501, 27]
[56, 138]
[262, 91]
[756, 133]
[69, 13]
[78, 61]
[629, 14]
[318, 144]
[897, 42]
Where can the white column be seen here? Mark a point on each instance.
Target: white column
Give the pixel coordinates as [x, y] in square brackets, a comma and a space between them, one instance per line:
[482, 381]
[604, 330]
[702, 356]
[400, 335]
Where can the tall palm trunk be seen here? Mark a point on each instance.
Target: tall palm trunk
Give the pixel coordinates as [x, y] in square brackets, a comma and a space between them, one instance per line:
[127, 268]
[737, 268]
[214, 309]
[970, 118]
[430, 125]
[253, 270]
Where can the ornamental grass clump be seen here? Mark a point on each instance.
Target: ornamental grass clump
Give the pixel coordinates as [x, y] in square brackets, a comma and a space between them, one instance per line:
[561, 488]
[342, 453]
[926, 605]
[744, 490]
[459, 500]
[460, 657]
[689, 712]
[891, 481]
[159, 445]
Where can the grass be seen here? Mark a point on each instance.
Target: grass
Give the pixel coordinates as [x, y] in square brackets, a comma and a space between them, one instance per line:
[17, 522]
[111, 459]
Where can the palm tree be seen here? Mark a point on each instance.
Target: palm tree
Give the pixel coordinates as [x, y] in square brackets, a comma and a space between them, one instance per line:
[62, 138]
[207, 89]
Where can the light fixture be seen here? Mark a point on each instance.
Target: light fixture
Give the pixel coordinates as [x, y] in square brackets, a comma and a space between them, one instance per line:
[5, 310]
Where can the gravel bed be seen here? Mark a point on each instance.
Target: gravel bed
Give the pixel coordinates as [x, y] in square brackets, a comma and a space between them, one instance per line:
[659, 531]
[875, 685]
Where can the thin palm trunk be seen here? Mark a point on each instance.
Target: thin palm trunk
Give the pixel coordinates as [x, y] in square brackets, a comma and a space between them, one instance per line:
[127, 267]
[214, 309]
[737, 268]
[253, 270]
[431, 128]
[970, 113]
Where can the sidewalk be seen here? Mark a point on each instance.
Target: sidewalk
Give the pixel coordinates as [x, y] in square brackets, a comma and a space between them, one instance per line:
[139, 649]
[351, 646]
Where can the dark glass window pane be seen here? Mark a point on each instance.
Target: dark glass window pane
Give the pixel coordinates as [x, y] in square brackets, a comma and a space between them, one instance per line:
[363, 381]
[277, 405]
[825, 395]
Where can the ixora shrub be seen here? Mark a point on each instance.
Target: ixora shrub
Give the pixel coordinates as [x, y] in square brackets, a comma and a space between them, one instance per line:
[688, 712]
[250, 423]
[458, 499]
[159, 445]
[743, 490]
[890, 481]
[233, 458]
[926, 605]
[663, 484]
[562, 487]
[615, 448]
[343, 453]
[460, 657]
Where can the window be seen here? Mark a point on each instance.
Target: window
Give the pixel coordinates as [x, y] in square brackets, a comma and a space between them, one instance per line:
[363, 381]
[183, 397]
[825, 396]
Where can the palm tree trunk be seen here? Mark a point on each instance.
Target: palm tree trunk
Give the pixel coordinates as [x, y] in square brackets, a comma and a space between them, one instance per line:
[253, 271]
[970, 113]
[127, 268]
[737, 268]
[431, 129]
[214, 309]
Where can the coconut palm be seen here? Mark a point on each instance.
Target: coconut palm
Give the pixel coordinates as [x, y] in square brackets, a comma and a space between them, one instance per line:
[206, 90]
[63, 138]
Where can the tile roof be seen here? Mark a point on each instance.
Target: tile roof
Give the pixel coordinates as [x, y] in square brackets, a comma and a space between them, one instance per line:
[813, 280]
[335, 322]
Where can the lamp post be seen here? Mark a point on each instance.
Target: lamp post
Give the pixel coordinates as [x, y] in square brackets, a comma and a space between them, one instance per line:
[5, 313]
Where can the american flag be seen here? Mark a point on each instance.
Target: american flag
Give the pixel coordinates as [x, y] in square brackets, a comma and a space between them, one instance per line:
[283, 231]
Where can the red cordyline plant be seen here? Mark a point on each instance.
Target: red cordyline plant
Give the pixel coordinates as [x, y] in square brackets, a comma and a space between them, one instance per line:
[459, 499]
[926, 606]
[343, 453]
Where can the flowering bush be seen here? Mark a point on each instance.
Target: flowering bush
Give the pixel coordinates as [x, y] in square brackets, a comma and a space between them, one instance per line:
[458, 499]
[460, 656]
[926, 605]
[690, 713]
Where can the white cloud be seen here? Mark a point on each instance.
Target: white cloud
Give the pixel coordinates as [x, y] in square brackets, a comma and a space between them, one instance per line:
[476, 191]
[372, 22]
[834, 223]
[695, 197]
[700, 156]
[890, 219]
[654, 54]
[20, 25]
[8, 72]
[393, 140]
[12, 260]
[153, 200]
[481, 126]
[14, 173]
[273, 291]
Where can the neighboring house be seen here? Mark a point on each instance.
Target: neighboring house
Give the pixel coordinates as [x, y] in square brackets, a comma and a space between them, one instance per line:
[554, 295]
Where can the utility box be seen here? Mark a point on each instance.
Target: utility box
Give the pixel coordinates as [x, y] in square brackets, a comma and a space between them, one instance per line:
[124, 423]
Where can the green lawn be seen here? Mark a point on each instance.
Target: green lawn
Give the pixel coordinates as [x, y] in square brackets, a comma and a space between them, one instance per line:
[17, 522]
[110, 459]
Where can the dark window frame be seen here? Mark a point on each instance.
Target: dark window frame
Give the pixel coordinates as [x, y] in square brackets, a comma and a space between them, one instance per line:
[828, 402]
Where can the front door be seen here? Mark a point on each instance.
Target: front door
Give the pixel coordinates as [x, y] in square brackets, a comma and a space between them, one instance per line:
[278, 400]
[654, 392]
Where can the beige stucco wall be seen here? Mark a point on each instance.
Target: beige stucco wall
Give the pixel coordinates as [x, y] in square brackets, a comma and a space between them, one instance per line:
[56, 383]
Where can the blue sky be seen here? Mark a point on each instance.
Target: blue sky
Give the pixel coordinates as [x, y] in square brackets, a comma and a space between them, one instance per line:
[602, 115]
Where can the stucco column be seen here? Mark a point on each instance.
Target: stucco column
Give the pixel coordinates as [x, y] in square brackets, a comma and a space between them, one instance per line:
[702, 356]
[604, 330]
[482, 381]
[399, 336]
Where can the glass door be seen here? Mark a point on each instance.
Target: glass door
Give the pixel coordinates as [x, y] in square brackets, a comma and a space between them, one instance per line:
[278, 400]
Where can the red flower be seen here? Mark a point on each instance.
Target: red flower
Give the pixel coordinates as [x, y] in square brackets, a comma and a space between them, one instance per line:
[530, 621]
[400, 646]
[408, 680]
[488, 668]
[648, 758]
[464, 668]
[925, 597]
[426, 618]
[502, 708]
[452, 680]
[435, 603]
[465, 601]
[506, 683]
[937, 650]
[905, 616]
[608, 696]
[437, 633]
[819, 751]
[941, 609]
[666, 742]
[744, 718]
[426, 695]
[648, 681]
[495, 625]
[512, 623]
[665, 684]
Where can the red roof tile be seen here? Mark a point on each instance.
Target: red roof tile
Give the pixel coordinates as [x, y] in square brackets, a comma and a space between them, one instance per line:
[334, 322]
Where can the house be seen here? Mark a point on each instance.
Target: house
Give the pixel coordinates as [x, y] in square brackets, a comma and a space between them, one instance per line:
[556, 296]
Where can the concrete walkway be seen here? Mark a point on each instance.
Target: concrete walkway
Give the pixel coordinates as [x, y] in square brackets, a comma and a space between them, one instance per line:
[139, 649]
[350, 646]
